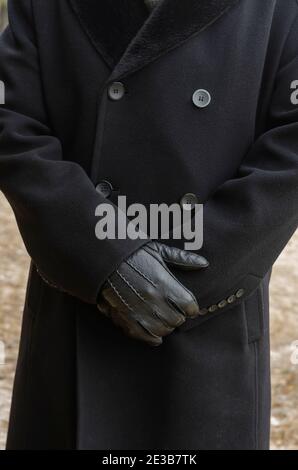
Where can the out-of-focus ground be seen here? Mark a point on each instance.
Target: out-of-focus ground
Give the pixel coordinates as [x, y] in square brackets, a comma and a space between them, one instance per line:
[284, 328]
[13, 272]
[284, 348]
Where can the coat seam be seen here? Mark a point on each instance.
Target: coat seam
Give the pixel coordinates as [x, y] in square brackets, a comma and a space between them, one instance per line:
[34, 310]
[256, 397]
[33, 314]
[99, 133]
[76, 382]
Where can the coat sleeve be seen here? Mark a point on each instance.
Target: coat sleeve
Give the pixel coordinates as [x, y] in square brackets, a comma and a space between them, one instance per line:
[54, 200]
[250, 218]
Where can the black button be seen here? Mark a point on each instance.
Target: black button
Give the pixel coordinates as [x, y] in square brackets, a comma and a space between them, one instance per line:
[222, 304]
[213, 308]
[201, 98]
[104, 188]
[116, 91]
[203, 311]
[188, 201]
[232, 299]
[240, 293]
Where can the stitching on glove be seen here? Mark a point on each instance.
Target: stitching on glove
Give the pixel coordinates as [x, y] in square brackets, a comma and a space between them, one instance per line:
[120, 296]
[141, 273]
[131, 286]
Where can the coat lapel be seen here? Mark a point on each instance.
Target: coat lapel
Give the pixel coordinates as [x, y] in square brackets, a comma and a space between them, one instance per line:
[128, 37]
[110, 24]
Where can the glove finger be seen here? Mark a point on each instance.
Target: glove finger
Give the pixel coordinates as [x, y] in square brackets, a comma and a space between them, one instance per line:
[170, 315]
[112, 296]
[184, 301]
[150, 320]
[133, 329]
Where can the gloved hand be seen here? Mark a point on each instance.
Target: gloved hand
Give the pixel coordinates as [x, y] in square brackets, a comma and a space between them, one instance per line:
[144, 298]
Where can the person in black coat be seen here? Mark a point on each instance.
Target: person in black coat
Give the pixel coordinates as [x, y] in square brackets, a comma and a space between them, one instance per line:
[190, 102]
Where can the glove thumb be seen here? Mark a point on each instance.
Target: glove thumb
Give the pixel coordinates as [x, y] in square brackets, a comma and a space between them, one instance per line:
[178, 258]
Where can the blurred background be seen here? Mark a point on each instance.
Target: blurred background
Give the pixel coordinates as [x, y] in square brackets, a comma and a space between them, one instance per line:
[14, 263]
[3, 14]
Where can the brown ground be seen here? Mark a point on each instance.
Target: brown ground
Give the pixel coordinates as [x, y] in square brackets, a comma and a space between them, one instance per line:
[284, 327]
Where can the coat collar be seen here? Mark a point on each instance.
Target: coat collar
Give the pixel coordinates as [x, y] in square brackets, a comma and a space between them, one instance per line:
[128, 37]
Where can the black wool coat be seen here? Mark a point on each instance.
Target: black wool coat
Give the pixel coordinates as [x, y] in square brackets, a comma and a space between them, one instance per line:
[80, 383]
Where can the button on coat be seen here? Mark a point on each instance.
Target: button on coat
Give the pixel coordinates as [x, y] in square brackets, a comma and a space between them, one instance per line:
[116, 91]
[189, 201]
[105, 188]
[201, 98]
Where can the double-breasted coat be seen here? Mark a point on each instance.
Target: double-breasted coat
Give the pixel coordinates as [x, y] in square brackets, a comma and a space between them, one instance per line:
[103, 91]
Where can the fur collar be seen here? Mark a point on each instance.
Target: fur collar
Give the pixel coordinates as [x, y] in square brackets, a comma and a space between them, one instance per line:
[128, 37]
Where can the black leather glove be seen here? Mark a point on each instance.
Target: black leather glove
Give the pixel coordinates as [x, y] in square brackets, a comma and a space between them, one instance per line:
[144, 298]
